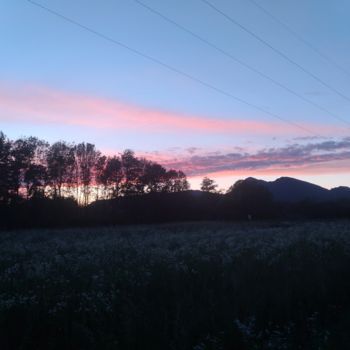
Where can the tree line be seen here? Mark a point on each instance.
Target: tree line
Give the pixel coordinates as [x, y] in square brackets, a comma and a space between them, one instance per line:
[33, 168]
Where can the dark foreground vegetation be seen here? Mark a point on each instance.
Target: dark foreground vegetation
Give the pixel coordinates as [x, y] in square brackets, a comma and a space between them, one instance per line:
[192, 286]
[165, 207]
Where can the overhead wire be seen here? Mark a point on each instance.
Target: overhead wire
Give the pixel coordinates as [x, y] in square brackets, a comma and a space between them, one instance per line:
[273, 48]
[239, 61]
[171, 68]
[300, 37]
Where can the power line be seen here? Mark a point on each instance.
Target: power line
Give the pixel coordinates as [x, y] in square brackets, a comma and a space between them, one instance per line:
[300, 38]
[171, 68]
[280, 53]
[237, 60]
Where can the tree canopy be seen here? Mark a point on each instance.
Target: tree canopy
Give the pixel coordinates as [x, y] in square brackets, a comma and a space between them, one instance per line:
[30, 167]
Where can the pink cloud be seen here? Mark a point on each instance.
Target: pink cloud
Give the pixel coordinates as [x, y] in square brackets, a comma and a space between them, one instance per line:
[49, 106]
[336, 167]
[323, 157]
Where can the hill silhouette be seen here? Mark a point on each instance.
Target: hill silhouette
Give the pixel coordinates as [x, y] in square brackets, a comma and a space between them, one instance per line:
[291, 190]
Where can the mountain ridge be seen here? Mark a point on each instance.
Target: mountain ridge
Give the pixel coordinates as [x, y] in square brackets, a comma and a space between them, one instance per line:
[289, 189]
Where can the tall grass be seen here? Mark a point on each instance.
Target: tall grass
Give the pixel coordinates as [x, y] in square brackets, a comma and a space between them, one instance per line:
[178, 286]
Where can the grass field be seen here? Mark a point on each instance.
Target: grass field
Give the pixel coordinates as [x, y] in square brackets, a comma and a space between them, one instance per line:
[177, 286]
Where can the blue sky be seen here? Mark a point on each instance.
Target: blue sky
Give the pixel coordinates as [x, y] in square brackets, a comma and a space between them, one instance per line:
[44, 56]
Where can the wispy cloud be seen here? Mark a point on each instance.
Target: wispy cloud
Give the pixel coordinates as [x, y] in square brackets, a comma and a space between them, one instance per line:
[40, 105]
[324, 156]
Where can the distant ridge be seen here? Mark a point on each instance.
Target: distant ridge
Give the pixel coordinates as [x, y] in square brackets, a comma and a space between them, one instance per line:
[291, 190]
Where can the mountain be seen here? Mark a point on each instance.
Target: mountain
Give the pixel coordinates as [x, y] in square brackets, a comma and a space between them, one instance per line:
[288, 189]
[340, 192]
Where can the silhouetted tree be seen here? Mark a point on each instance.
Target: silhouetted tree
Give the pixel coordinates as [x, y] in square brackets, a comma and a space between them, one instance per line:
[113, 177]
[208, 185]
[154, 177]
[60, 167]
[31, 168]
[86, 158]
[5, 168]
[176, 181]
[36, 179]
[100, 176]
[28, 155]
[132, 170]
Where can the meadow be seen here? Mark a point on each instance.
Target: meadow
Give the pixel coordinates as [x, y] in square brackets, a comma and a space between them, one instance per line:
[184, 286]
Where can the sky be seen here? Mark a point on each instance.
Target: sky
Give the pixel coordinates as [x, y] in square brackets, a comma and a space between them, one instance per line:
[243, 95]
